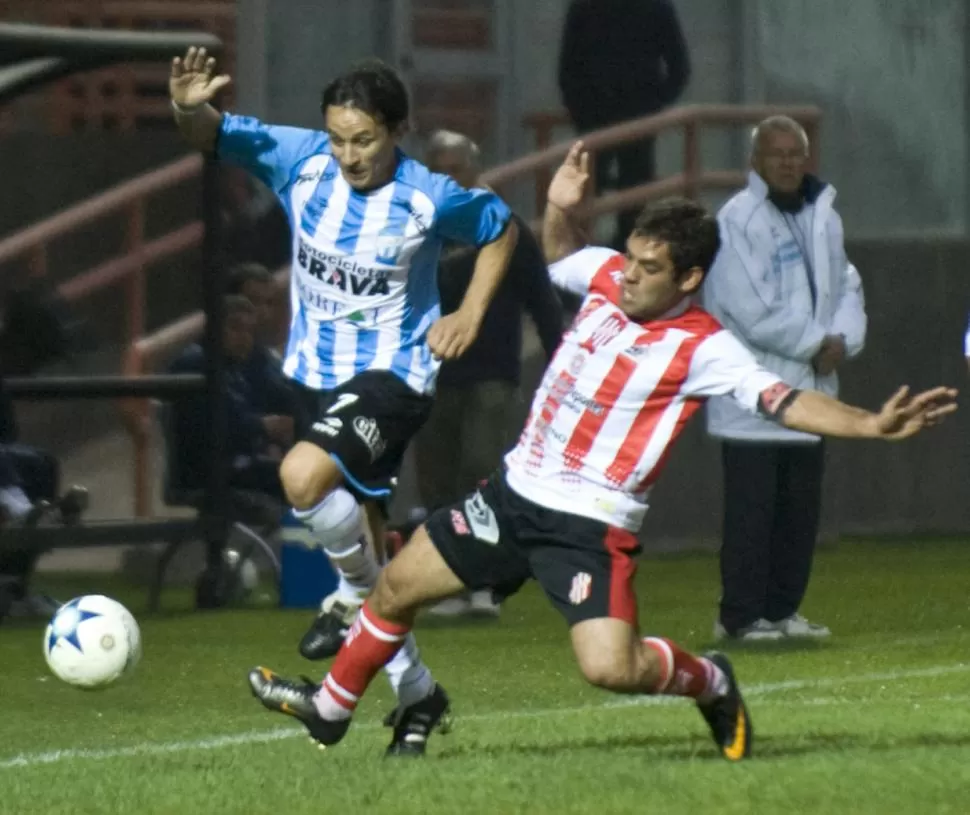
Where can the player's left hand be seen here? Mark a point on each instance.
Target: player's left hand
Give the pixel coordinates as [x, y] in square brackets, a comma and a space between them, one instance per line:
[453, 334]
[903, 416]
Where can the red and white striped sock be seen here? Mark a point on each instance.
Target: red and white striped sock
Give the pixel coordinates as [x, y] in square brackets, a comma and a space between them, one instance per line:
[683, 674]
[369, 645]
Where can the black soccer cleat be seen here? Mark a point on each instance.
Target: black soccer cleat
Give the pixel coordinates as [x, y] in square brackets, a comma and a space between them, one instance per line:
[328, 630]
[296, 699]
[413, 725]
[728, 716]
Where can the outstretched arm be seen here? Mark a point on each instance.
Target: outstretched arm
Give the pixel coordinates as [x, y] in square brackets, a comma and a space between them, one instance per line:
[561, 234]
[723, 366]
[899, 418]
[192, 85]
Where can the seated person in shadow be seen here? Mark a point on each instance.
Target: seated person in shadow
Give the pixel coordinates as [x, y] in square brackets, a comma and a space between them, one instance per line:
[256, 438]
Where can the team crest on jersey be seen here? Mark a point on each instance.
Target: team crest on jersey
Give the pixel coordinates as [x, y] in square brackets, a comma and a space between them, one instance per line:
[388, 248]
[604, 333]
[580, 589]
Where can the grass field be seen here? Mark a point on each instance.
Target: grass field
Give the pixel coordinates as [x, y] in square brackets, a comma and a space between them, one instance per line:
[875, 721]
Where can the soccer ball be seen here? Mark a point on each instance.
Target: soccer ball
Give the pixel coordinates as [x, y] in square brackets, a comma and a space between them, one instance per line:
[92, 641]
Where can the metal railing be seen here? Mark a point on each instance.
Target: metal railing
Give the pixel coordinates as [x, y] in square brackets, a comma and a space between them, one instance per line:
[128, 267]
[691, 120]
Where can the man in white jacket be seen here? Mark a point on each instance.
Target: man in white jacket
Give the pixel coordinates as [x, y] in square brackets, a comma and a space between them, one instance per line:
[783, 285]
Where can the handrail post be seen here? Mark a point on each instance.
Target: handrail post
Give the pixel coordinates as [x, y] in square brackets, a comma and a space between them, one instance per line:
[135, 288]
[135, 300]
[542, 180]
[692, 159]
[38, 261]
[137, 414]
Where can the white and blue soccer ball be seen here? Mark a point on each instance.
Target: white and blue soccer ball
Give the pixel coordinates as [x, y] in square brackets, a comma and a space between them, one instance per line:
[92, 641]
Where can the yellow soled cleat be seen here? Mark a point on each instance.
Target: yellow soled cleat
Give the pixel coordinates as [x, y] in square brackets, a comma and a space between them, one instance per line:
[728, 716]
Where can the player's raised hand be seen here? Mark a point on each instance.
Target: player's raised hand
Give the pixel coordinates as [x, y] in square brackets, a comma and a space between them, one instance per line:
[569, 183]
[903, 416]
[193, 81]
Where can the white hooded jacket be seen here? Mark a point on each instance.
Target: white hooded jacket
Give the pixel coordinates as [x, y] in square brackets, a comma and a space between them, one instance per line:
[781, 283]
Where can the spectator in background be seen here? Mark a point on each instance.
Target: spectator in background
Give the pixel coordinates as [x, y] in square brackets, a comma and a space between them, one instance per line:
[272, 393]
[34, 330]
[256, 228]
[619, 60]
[256, 439]
[783, 285]
[469, 427]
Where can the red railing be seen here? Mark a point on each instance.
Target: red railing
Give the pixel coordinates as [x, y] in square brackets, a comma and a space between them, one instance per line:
[689, 119]
[128, 268]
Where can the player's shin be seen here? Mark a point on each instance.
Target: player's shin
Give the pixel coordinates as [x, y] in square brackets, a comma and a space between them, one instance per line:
[672, 671]
[338, 524]
[370, 644]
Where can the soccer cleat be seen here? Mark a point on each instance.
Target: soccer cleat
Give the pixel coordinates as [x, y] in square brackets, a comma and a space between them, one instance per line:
[482, 604]
[727, 716]
[758, 631]
[797, 627]
[296, 699]
[328, 629]
[413, 725]
[451, 607]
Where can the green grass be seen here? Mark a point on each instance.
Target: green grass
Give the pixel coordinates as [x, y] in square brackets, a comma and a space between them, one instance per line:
[875, 721]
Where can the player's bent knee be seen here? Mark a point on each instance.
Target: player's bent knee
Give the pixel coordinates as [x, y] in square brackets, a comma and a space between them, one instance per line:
[308, 474]
[605, 654]
[601, 672]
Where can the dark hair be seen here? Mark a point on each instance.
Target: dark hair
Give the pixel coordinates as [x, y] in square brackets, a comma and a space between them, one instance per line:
[689, 230]
[234, 304]
[244, 273]
[373, 87]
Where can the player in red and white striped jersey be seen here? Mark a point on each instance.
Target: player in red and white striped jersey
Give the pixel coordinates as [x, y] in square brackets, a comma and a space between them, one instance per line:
[638, 361]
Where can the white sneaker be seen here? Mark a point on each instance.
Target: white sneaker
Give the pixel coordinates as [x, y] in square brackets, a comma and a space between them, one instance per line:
[759, 631]
[797, 627]
[452, 607]
[482, 603]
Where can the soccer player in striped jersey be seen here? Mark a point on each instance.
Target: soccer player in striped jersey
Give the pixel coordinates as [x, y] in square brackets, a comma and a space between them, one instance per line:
[638, 361]
[366, 336]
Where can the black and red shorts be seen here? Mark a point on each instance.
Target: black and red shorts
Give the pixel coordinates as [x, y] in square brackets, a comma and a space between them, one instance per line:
[498, 539]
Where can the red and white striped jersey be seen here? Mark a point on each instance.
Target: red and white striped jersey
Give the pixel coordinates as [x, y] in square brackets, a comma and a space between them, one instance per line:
[618, 393]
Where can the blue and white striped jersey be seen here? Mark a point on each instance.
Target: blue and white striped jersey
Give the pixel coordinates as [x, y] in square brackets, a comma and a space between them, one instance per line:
[363, 289]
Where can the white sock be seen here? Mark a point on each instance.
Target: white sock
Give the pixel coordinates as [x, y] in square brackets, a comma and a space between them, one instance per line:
[15, 502]
[409, 676]
[349, 593]
[325, 701]
[338, 524]
[717, 682]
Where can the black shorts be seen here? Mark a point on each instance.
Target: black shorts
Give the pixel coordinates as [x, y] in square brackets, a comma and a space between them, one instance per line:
[365, 425]
[497, 539]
